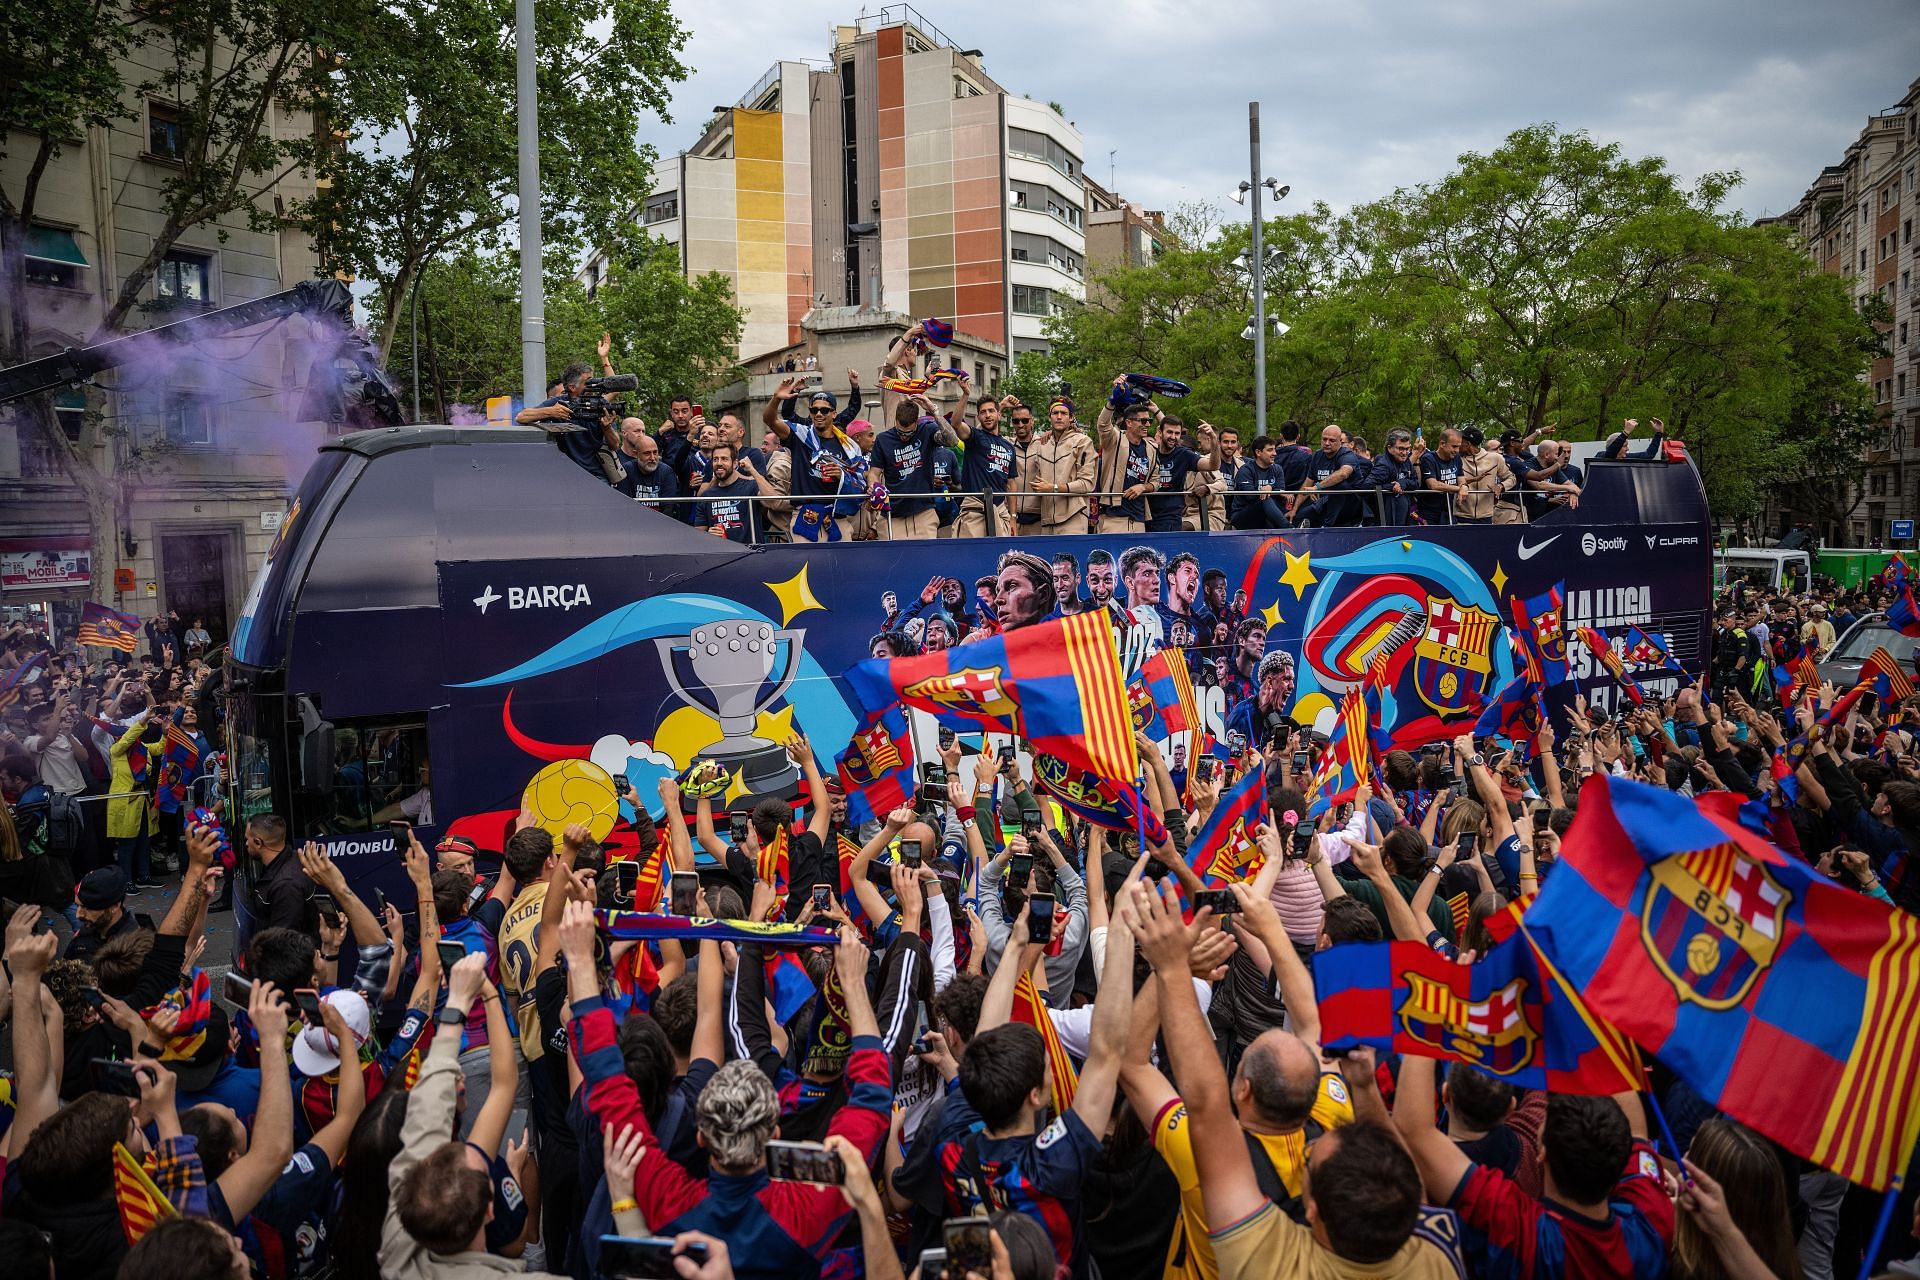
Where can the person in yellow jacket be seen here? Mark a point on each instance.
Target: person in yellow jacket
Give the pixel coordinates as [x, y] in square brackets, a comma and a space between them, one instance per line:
[130, 812]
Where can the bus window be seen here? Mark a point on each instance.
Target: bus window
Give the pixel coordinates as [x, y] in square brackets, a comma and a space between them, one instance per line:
[379, 772]
[251, 759]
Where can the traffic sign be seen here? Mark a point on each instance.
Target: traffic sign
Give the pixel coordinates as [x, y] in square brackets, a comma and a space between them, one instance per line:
[1902, 529]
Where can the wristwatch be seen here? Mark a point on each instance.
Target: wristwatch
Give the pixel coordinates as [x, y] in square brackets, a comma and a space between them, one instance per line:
[1476, 759]
[450, 1016]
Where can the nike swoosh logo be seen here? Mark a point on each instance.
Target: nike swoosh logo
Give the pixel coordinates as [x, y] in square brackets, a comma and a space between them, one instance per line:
[1528, 553]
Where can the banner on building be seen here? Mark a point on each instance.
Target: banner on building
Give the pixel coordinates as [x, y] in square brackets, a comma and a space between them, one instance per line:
[45, 564]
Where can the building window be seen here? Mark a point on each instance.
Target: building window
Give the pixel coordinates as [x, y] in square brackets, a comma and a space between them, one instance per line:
[1877, 485]
[1031, 300]
[662, 207]
[187, 418]
[1903, 334]
[166, 131]
[54, 260]
[1900, 386]
[185, 277]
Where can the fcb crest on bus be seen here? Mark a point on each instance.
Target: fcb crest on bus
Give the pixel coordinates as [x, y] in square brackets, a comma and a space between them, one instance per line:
[1712, 922]
[1453, 658]
[971, 691]
[1496, 1035]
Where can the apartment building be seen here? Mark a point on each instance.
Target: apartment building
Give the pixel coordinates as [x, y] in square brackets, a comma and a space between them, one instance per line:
[895, 175]
[1857, 220]
[1121, 233]
[200, 444]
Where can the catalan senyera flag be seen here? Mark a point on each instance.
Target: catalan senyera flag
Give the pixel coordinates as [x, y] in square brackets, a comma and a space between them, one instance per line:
[1029, 1008]
[19, 678]
[1602, 650]
[772, 867]
[1884, 678]
[1223, 849]
[108, 628]
[1786, 1001]
[140, 1202]
[1056, 684]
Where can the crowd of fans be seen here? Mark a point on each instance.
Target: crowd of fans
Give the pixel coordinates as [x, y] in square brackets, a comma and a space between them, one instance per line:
[477, 1078]
[934, 463]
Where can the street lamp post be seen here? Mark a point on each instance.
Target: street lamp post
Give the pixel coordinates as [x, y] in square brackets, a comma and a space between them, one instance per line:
[1258, 262]
[533, 298]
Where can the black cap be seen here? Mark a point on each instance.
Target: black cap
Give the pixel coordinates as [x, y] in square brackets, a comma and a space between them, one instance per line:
[101, 889]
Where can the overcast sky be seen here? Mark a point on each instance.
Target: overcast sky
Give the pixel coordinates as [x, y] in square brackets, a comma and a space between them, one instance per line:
[1360, 96]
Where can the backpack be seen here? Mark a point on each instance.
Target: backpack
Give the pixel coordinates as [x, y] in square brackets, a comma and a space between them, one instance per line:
[66, 825]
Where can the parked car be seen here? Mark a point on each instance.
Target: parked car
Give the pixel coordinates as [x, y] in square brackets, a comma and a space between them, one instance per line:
[1842, 666]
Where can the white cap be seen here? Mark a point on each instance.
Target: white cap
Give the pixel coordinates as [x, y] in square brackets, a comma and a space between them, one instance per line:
[315, 1052]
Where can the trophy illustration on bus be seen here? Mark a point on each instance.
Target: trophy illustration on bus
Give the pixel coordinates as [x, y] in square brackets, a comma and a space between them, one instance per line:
[728, 670]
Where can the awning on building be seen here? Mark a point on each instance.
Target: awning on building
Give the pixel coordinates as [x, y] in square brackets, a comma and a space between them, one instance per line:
[50, 244]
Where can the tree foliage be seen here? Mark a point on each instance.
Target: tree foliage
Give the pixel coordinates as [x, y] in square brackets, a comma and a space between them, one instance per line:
[1552, 282]
[674, 334]
[423, 94]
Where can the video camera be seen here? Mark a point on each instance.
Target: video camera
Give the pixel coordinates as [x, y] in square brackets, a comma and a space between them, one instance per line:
[591, 404]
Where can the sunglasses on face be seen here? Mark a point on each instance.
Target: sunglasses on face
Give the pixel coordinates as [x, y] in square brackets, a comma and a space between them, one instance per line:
[1021, 422]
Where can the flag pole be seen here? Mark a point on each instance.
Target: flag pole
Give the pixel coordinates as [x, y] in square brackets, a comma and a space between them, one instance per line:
[1666, 1130]
[1880, 1227]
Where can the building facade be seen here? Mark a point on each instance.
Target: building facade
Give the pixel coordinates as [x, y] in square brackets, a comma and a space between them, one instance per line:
[893, 175]
[200, 442]
[1121, 233]
[1857, 220]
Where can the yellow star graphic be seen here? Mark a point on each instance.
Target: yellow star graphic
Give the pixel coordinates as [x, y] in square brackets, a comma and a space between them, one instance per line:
[1299, 574]
[775, 726]
[1271, 615]
[1406, 546]
[1499, 579]
[795, 595]
[736, 787]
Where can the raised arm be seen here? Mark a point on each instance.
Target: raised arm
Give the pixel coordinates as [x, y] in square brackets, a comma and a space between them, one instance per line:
[1441, 1163]
[350, 1102]
[1289, 974]
[703, 830]
[36, 1085]
[1107, 1037]
[503, 1076]
[249, 1178]
[996, 1006]
[770, 415]
[1406, 926]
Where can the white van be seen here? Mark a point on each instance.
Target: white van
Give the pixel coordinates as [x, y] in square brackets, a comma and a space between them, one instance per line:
[1766, 567]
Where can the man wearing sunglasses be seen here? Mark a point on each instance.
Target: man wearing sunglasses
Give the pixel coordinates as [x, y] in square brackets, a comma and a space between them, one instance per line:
[826, 463]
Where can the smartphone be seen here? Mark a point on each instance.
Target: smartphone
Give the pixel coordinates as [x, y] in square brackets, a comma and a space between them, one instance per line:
[804, 1162]
[93, 996]
[626, 878]
[822, 898]
[307, 1000]
[737, 829]
[1541, 816]
[1006, 757]
[933, 1264]
[1469, 841]
[323, 903]
[110, 1075]
[645, 1257]
[451, 954]
[380, 900]
[402, 832]
[880, 873]
[1221, 900]
[947, 738]
[145, 921]
[684, 893]
[910, 853]
[1236, 742]
[481, 888]
[969, 1244]
[1030, 823]
[1203, 770]
[238, 988]
[1302, 839]
[700, 411]
[1040, 917]
[1020, 869]
[933, 785]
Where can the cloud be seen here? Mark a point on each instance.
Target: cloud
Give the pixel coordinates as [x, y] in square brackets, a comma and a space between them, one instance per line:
[1368, 95]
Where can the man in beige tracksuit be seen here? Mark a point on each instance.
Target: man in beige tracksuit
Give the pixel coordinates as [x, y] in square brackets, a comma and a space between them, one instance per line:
[1060, 468]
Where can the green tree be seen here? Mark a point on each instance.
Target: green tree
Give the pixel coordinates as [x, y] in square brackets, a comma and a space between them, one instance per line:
[422, 95]
[674, 334]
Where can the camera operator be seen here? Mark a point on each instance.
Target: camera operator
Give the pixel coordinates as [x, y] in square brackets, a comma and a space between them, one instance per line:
[580, 418]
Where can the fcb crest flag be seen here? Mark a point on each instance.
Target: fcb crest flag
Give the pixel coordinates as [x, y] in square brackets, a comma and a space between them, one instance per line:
[1056, 684]
[1116, 806]
[1602, 650]
[1223, 849]
[876, 769]
[1502, 1015]
[1540, 623]
[1161, 697]
[1783, 999]
[19, 679]
[1902, 615]
[108, 628]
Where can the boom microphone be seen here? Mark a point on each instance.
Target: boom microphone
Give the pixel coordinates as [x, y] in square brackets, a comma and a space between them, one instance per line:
[617, 382]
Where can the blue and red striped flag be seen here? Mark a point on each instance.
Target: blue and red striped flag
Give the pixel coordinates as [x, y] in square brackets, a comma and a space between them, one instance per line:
[1355, 743]
[1903, 615]
[789, 986]
[876, 769]
[1783, 999]
[1223, 849]
[1162, 696]
[1540, 625]
[1602, 650]
[19, 678]
[1056, 684]
[108, 628]
[1502, 1014]
[1881, 675]
[1516, 714]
